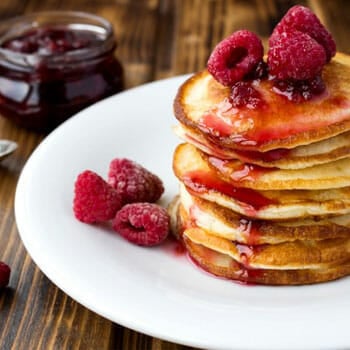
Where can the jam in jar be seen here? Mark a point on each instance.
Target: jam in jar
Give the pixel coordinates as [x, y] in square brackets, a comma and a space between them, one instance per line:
[54, 64]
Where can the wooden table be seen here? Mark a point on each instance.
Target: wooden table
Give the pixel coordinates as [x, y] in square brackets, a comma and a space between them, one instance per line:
[157, 39]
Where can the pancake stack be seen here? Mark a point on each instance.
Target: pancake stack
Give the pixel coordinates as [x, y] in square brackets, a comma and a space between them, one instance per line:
[265, 192]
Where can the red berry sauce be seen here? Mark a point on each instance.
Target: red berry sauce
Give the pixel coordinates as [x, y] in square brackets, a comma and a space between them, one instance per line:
[269, 156]
[243, 94]
[174, 247]
[251, 230]
[300, 90]
[204, 181]
[240, 272]
[243, 155]
[238, 172]
[247, 252]
[278, 118]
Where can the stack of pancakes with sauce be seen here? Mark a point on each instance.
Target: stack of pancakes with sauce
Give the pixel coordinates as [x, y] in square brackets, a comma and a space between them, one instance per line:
[265, 192]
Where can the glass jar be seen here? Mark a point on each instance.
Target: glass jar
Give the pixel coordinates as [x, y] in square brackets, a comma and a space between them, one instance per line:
[54, 64]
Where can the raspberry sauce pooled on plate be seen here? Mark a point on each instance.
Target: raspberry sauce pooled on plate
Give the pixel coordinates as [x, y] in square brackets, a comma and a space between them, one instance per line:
[265, 186]
[53, 64]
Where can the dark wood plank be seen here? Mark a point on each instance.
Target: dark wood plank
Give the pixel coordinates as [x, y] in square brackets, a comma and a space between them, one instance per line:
[11, 8]
[190, 39]
[32, 303]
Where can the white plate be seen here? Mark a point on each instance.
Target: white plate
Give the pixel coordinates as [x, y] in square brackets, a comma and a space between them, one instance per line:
[150, 289]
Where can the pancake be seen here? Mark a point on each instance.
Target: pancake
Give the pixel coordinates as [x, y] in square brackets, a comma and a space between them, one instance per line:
[227, 224]
[223, 265]
[265, 188]
[334, 148]
[200, 180]
[314, 262]
[203, 105]
[325, 176]
[295, 255]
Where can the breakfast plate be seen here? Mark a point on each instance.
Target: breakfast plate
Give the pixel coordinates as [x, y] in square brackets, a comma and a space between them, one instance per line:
[156, 291]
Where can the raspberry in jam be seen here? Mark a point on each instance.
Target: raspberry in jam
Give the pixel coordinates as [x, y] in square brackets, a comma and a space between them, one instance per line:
[54, 64]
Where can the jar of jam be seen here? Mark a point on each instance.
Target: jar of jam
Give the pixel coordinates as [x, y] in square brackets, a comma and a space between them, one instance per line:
[54, 64]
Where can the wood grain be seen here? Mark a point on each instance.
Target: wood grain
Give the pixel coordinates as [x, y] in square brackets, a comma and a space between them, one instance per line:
[156, 39]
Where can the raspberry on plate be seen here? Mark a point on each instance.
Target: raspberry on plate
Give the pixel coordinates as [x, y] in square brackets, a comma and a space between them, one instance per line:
[296, 56]
[133, 182]
[235, 57]
[144, 224]
[5, 272]
[94, 199]
[304, 20]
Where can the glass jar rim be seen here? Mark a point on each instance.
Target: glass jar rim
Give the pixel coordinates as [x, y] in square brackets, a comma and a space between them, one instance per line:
[20, 24]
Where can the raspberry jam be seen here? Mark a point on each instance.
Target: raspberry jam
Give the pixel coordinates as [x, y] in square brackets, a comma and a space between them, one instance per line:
[54, 64]
[251, 230]
[269, 156]
[243, 155]
[238, 172]
[233, 271]
[278, 117]
[203, 181]
[244, 94]
[299, 91]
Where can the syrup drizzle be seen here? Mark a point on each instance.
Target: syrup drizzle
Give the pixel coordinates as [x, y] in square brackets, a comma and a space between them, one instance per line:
[269, 156]
[174, 246]
[277, 119]
[242, 172]
[215, 125]
[249, 228]
[246, 253]
[237, 271]
[243, 155]
[207, 147]
[203, 181]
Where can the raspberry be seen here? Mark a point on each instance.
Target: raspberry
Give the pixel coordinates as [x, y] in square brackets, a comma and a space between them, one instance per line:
[5, 272]
[235, 57]
[296, 56]
[95, 200]
[304, 20]
[245, 95]
[144, 224]
[133, 182]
